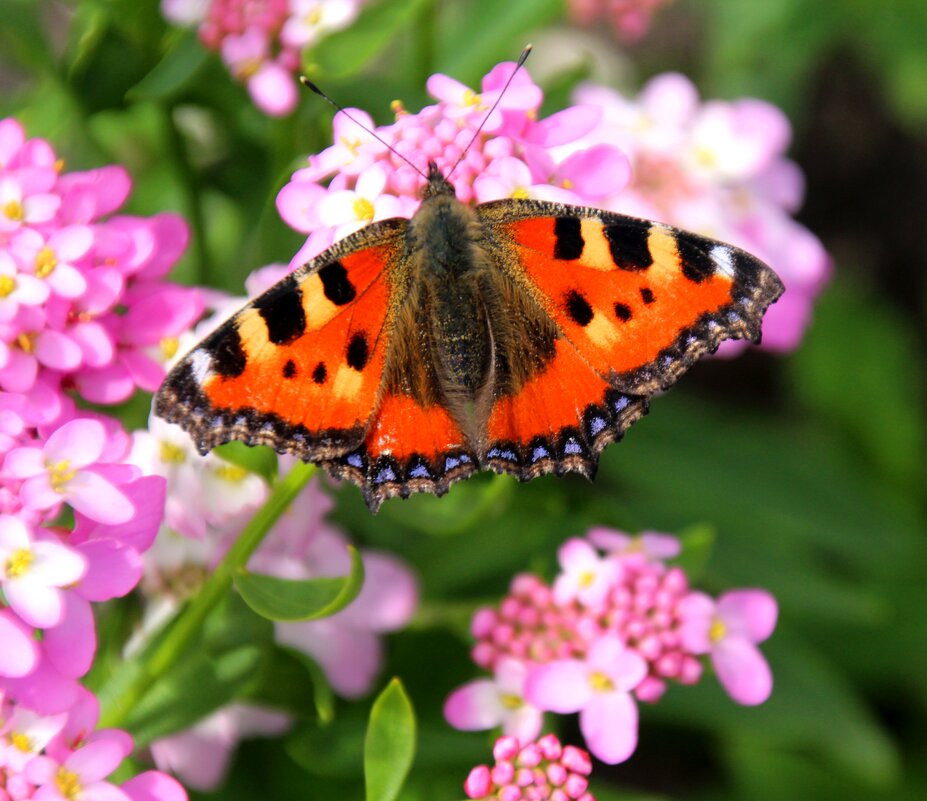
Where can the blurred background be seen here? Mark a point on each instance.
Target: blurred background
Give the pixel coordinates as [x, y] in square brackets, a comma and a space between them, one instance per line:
[802, 472]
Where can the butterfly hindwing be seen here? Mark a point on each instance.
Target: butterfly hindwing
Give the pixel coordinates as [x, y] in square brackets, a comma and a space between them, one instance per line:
[300, 367]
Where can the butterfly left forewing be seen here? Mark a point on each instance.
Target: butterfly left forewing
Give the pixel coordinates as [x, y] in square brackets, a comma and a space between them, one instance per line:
[300, 367]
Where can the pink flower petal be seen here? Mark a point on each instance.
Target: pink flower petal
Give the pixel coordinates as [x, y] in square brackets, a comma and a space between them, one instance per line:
[103, 791]
[107, 385]
[56, 564]
[273, 90]
[36, 603]
[79, 442]
[96, 760]
[57, 350]
[748, 613]
[19, 654]
[113, 570]
[44, 690]
[474, 706]
[609, 725]
[742, 671]
[24, 463]
[153, 785]
[92, 495]
[71, 644]
[38, 493]
[560, 686]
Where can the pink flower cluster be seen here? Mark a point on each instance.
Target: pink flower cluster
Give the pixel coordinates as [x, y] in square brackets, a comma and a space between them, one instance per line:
[630, 19]
[358, 180]
[83, 303]
[539, 771]
[615, 626]
[83, 307]
[717, 168]
[49, 577]
[261, 41]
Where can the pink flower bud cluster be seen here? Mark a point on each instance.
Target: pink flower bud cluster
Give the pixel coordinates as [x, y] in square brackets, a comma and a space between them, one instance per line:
[630, 19]
[616, 625]
[261, 41]
[717, 168]
[358, 180]
[539, 771]
[83, 301]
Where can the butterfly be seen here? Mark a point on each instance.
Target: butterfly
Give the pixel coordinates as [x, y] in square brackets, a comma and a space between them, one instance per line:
[518, 336]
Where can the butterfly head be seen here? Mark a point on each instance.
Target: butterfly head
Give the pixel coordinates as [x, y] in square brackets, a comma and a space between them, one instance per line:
[437, 184]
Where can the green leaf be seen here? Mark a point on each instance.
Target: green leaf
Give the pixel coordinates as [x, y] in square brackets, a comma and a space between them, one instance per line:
[232, 649]
[260, 459]
[175, 71]
[389, 747]
[309, 599]
[345, 52]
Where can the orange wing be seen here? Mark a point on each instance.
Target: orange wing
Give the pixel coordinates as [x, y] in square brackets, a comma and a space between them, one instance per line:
[300, 367]
[635, 302]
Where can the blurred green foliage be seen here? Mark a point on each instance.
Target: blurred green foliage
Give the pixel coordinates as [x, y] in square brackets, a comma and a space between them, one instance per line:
[804, 474]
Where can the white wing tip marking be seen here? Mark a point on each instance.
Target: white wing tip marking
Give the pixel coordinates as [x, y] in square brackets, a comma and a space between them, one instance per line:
[200, 365]
[723, 256]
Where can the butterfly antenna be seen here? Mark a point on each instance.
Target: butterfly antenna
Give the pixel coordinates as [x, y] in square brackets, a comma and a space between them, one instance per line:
[339, 108]
[521, 62]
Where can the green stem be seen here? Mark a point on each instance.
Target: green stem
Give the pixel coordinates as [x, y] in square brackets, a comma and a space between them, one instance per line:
[136, 679]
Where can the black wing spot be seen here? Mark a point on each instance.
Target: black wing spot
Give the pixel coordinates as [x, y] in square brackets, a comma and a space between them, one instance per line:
[578, 308]
[338, 288]
[569, 238]
[358, 352]
[319, 373]
[282, 310]
[228, 357]
[289, 369]
[647, 295]
[695, 257]
[628, 244]
[623, 312]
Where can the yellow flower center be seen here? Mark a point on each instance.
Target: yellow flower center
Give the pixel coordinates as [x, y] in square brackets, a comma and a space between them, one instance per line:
[718, 631]
[397, 108]
[706, 157]
[231, 472]
[249, 68]
[45, 262]
[566, 183]
[19, 562]
[59, 165]
[314, 17]
[363, 209]
[26, 342]
[21, 742]
[511, 701]
[60, 474]
[586, 579]
[7, 285]
[171, 453]
[68, 784]
[169, 346]
[520, 193]
[13, 210]
[601, 683]
[351, 144]
[471, 98]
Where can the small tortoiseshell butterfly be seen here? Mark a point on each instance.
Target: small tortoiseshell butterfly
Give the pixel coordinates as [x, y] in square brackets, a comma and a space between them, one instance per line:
[518, 336]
